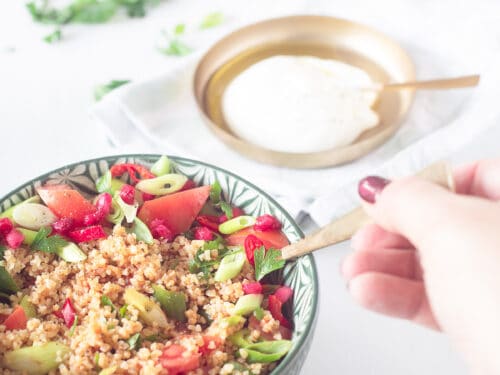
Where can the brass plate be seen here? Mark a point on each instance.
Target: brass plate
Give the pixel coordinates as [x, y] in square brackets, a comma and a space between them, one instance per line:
[326, 37]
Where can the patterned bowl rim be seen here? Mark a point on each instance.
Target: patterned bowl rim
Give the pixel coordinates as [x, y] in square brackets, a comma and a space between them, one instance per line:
[312, 319]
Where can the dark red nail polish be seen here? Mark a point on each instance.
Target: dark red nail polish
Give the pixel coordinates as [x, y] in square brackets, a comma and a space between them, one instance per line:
[369, 187]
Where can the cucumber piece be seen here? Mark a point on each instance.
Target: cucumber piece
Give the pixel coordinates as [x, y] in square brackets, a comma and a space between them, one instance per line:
[149, 311]
[28, 307]
[71, 253]
[7, 283]
[173, 303]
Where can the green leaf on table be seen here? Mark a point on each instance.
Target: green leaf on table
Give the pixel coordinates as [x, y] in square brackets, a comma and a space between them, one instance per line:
[267, 262]
[176, 47]
[54, 36]
[93, 11]
[52, 244]
[212, 20]
[41, 12]
[179, 29]
[102, 90]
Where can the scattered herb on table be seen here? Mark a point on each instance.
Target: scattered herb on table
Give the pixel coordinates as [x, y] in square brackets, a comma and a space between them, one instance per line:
[102, 90]
[175, 46]
[212, 20]
[54, 36]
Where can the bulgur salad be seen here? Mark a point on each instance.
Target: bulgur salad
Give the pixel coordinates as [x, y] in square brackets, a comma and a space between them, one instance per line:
[153, 275]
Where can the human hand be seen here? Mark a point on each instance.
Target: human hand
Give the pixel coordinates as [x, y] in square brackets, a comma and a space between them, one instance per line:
[433, 257]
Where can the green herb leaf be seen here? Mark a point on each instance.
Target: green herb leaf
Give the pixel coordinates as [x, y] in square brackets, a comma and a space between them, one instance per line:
[73, 326]
[176, 47]
[259, 313]
[103, 183]
[106, 301]
[212, 20]
[179, 29]
[93, 11]
[227, 209]
[54, 36]
[2, 251]
[96, 360]
[45, 14]
[215, 192]
[102, 90]
[134, 341]
[267, 262]
[43, 242]
[7, 283]
[123, 311]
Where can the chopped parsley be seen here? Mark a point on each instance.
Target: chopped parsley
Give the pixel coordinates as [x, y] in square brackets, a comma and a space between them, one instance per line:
[267, 262]
[197, 265]
[106, 301]
[54, 36]
[212, 20]
[134, 341]
[218, 202]
[52, 244]
[123, 311]
[102, 90]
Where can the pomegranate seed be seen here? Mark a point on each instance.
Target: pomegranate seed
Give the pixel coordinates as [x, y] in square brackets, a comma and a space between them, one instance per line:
[5, 226]
[14, 238]
[103, 206]
[67, 313]
[160, 230]
[209, 221]
[267, 222]
[252, 288]
[251, 243]
[188, 185]
[127, 194]
[94, 232]
[147, 197]
[236, 212]
[283, 293]
[63, 225]
[203, 233]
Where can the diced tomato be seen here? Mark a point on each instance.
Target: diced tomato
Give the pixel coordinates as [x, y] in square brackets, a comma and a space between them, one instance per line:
[66, 202]
[177, 210]
[175, 362]
[203, 233]
[16, 320]
[3, 317]
[272, 238]
[275, 306]
[207, 343]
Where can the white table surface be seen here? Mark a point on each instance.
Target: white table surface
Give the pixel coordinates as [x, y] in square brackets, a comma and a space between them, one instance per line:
[45, 93]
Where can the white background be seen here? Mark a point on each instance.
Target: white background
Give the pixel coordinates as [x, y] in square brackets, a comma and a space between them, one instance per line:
[45, 95]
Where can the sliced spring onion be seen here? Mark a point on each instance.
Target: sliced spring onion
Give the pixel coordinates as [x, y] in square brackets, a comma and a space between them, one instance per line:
[236, 224]
[8, 212]
[149, 311]
[103, 183]
[162, 185]
[71, 253]
[173, 303]
[161, 167]
[142, 231]
[28, 307]
[36, 360]
[248, 304]
[230, 266]
[234, 320]
[128, 210]
[116, 215]
[240, 338]
[33, 215]
[267, 351]
[7, 283]
[29, 235]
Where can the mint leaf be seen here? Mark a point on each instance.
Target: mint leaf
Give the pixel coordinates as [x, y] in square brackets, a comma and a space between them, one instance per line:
[267, 262]
[212, 20]
[54, 36]
[102, 90]
[48, 244]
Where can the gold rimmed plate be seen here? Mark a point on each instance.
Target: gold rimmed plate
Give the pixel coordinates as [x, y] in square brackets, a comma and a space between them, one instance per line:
[325, 37]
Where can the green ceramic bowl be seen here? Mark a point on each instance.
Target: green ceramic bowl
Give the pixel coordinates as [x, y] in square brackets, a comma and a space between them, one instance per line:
[299, 274]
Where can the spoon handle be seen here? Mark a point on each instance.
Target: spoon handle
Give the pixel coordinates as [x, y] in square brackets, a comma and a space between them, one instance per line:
[434, 84]
[344, 228]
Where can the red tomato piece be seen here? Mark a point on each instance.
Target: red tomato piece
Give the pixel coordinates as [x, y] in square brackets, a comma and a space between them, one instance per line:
[203, 233]
[66, 202]
[286, 333]
[173, 360]
[177, 210]
[87, 234]
[275, 306]
[16, 320]
[272, 238]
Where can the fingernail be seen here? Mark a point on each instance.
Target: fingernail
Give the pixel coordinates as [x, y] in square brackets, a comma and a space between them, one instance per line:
[371, 186]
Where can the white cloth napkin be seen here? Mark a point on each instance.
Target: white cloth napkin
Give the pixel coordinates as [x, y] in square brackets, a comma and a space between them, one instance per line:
[444, 38]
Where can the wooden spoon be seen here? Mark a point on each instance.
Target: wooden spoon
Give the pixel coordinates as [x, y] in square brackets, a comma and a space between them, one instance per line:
[434, 84]
[344, 228]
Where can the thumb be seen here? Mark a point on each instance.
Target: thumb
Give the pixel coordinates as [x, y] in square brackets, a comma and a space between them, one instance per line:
[412, 207]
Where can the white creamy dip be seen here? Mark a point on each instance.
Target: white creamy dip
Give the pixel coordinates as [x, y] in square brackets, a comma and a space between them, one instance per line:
[300, 104]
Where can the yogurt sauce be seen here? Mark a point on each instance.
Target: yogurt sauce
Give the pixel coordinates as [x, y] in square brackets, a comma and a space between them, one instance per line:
[300, 104]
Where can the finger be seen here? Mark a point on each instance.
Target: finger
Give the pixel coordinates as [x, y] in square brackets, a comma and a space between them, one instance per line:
[393, 296]
[373, 237]
[481, 178]
[396, 262]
